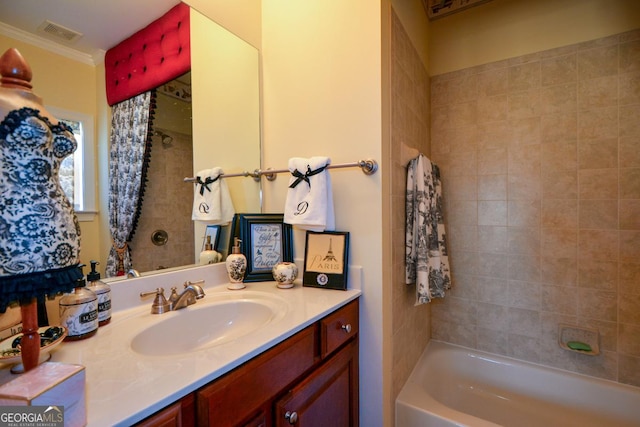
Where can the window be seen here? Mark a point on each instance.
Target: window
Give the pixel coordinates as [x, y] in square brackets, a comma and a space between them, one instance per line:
[77, 175]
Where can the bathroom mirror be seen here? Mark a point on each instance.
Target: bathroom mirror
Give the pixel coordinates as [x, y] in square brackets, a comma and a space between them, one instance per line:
[225, 130]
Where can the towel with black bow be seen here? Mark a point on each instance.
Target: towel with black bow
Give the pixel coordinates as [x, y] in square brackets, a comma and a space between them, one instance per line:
[309, 203]
[211, 199]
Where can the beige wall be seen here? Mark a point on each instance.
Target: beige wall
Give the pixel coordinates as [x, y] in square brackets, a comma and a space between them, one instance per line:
[540, 162]
[503, 29]
[322, 96]
[69, 85]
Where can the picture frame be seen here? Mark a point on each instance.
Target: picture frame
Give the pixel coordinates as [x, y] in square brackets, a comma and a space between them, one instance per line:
[214, 232]
[266, 241]
[326, 259]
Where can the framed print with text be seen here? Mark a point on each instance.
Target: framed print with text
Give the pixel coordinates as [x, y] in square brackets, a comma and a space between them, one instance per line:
[266, 241]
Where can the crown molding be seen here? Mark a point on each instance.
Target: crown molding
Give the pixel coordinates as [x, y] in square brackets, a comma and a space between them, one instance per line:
[15, 33]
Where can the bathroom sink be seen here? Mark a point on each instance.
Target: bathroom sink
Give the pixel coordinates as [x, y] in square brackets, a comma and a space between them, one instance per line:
[204, 325]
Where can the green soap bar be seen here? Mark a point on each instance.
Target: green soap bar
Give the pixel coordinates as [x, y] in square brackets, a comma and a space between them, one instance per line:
[580, 346]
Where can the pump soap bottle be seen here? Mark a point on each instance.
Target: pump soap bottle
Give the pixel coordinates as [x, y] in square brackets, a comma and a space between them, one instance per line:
[79, 312]
[103, 292]
[209, 256]
[236, 266]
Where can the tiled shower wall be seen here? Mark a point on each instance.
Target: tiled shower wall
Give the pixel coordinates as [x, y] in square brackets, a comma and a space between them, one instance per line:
[540, 157]
[171, 200]
[409, 135]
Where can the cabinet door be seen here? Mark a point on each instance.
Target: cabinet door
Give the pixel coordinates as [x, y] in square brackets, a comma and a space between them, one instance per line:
[241, 394]
[179, 414]
[328, 397]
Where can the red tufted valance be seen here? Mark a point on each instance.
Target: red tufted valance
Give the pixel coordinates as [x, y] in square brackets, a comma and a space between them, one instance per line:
[154, 55]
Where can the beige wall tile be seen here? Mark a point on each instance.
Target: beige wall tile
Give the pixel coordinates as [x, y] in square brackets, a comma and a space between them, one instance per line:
[494, 82]
[558, 271]
[524, 213]
[559, 213]
[630, 277]
[492, 187]
[559, 69]
[630, 309]
[630, 214]
[559, 127]
[630, 56]
[558, 156]
[629, 246]
[597, 62]
[492, 239]
[598, 183]
[598, 153]
[629, 152]
[630, 183]
[597, 274]
[596, 304]
[598, 93]
[629, 123]
[629, 88]
[558, 184]
[492, 162]
[629, 370]
[629, 339]
[524, 76]
[598, 123]
[598, 245]
[559, 242]
[492, 212]
[558, 299]
[598, 214]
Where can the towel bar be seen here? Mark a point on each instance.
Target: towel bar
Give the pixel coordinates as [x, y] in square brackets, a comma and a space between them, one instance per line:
[368, 166]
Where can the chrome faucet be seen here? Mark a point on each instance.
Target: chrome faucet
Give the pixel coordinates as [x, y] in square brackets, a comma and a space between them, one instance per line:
[133, 273]
[192, 292]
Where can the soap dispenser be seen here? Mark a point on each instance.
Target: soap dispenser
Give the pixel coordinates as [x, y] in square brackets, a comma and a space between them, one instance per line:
[236, 266]
[79, 311]
[209, 256]
[103, 292]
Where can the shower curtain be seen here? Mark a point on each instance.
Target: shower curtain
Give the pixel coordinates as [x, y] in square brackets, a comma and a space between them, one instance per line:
[128, 161]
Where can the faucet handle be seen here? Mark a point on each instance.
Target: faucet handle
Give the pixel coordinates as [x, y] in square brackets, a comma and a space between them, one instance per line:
[160, 304]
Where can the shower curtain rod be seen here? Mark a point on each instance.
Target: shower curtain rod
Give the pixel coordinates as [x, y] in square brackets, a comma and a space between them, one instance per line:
[368, 166]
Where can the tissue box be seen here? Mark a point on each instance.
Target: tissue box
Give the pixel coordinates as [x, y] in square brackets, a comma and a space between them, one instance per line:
[50, 384]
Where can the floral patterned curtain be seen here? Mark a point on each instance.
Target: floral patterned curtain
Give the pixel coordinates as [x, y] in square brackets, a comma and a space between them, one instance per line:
[128, 158]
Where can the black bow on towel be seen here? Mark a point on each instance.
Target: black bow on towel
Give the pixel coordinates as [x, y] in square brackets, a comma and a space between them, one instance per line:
[206, 183]
[305, 177]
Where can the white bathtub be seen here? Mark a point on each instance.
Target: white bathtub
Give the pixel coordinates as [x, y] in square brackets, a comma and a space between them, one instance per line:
[457, 386]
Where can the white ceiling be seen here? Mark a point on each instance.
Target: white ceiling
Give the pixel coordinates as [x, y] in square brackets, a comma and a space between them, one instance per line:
[103, 23]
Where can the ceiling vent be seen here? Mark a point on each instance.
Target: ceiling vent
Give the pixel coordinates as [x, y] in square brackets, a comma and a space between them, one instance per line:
[58, 32]
[439, 8]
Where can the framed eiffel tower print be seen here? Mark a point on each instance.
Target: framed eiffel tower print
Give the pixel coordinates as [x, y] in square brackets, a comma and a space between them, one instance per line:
[325, 259]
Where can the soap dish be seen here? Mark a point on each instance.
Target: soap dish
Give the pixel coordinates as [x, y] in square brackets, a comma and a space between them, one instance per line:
[579, 339]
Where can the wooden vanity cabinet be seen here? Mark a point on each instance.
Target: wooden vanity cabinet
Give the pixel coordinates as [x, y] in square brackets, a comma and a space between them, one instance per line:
[310, 379]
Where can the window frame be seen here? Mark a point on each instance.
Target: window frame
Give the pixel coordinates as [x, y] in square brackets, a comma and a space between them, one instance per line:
[87, 160]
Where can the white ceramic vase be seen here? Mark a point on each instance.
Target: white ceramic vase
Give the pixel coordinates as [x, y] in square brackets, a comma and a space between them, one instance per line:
[284, 273]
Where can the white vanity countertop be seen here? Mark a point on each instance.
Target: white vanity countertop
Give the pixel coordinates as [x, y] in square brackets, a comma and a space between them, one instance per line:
[124, 387]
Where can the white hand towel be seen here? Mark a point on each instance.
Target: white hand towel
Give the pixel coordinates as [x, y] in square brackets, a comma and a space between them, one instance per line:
[309, 203]
[211, 199]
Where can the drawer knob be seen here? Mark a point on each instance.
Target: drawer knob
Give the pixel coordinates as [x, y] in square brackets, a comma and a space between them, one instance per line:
[346, 328]
[292, 417]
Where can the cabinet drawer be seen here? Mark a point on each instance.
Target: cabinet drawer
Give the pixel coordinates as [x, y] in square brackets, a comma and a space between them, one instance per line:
[338, 328]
